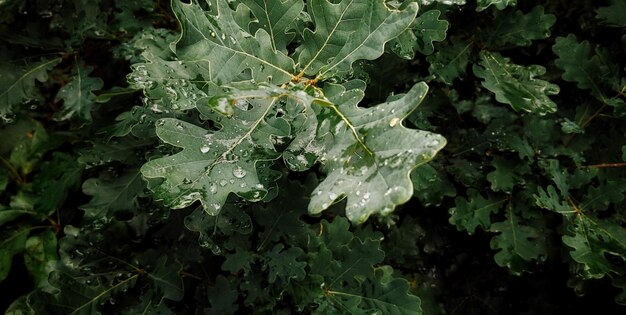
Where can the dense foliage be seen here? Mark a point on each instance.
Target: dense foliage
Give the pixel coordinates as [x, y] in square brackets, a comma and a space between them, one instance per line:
[344, 156]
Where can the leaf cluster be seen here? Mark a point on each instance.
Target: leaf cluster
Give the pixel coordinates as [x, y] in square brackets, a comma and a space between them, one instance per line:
[248, 156]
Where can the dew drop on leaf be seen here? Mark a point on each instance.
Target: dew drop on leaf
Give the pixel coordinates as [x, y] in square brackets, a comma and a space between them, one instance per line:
[332, 196]
[239, 172]
[204, 149]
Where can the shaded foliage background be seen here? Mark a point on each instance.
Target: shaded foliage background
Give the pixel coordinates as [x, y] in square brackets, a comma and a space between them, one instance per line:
[82, 233]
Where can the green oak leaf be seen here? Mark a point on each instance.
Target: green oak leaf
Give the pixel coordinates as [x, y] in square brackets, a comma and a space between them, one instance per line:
[352, 280]
[589, 69]
[430, 185]
[214, 42]
[450, 60]
[592, 241]
[17, 83]
[507, 174]
[426, 29]
[429, 28]
[111, 194]
[516, 85]
[520, 29]
[601, 197]
[214, 164]
[166, 278]
[613, 14]
[381, 293]
[276, 19]
[347, 31]
[499, 4]
[474, 211]
[549, 199]
[283, 263]
[372, 156]
[517, 242]
[77, 95]
[558, 175]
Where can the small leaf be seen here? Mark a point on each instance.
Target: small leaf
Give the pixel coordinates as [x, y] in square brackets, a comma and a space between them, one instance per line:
[450, 60]
[166, 278]
[430, 185]
[77, 95]
[517, 243]
[112, 194]
[499, 4]
[551, 200]
[507, 174]
[580, 64]
[516, 85]
[426, 29]
[17, 83]
[613, 14]
[283, 264]
[520, 29]
[593, 241]
[474, 211]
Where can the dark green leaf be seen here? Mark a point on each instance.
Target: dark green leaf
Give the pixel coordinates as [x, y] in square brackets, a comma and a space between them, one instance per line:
[517, 242]
[614, 13]
[77, 95]
[516, 85]
[111, 194]
[589, 69]
[474, 211]
[450, 60]
[520, 29]
[17, 83]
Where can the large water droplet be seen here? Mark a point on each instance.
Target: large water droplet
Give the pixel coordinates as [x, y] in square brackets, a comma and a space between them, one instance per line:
[205, 149]
[239, 172]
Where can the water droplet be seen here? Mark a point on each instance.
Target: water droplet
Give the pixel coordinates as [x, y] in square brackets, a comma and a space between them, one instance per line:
[239, 172]
[332, 196]
[223, 182]
[180, 126]
[394, 121]
[205, 149]
[213, 188]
